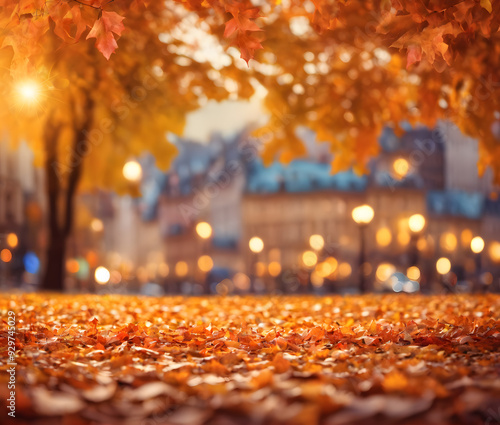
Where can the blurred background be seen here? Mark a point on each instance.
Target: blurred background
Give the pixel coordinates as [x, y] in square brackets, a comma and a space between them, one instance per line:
[221, 222]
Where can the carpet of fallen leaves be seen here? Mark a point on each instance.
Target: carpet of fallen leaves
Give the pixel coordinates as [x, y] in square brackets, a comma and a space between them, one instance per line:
[415, 359]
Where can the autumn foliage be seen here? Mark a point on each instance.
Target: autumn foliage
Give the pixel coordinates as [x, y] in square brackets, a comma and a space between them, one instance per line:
[118, 78]
[442, 61]
[259, 360]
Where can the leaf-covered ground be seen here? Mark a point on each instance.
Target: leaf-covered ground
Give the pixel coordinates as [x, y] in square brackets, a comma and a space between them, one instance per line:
[254, 360]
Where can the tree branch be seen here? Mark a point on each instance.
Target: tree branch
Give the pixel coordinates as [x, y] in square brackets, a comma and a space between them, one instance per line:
[93, 7]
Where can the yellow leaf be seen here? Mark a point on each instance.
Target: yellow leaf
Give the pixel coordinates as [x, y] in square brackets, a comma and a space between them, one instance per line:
[487, 5]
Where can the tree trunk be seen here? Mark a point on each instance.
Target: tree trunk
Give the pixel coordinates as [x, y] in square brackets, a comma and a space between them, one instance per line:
[53, 278]
[60, 200]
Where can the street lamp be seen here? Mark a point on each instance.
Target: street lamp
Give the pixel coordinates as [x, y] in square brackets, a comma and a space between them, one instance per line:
[494, 251]
[401, 167]
[132, 171]
[443, 267]
[204, 231]
[309, 258]
[205, 263]
[362, 216]
[416, 223]
[316, 242]
[12, 240]
[102, 275]
[256, 245]
[477, 246]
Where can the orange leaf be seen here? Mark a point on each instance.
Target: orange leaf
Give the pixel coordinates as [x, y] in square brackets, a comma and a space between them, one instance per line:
[102, 31]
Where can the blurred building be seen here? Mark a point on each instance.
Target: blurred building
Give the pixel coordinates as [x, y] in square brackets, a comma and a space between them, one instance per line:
[21, 205]
[224, 183]
[285, 204]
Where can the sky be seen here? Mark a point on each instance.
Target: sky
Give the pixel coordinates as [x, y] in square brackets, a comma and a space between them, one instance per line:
[225, 117]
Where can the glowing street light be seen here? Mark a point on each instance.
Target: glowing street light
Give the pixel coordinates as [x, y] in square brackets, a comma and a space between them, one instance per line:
[96, 225]
[204, 230]
[181, 268]
[448, 241]
[102, 275]
[413, 273]
[28, 91]
[132, 171]
[12, 240]
[256, 244]
[309, 258]
[494, 251]
[274, 268]
[363, 214]
[383, 237]
[416, 223]
[477, 245]
[443, 265]
[5, 255]
[316, 242]
[401, 167]
[205, 263]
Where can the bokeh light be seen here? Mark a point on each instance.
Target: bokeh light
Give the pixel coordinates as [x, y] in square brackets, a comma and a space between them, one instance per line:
[102, 275]
[204, 230]
[241, 281]
[448, 241]
[97, 225]
[325, 269]
[181, 269]
[345, 270]
[12, 240]
[443, 265]
[404, 238]
[6, 255]
[494, 251]
[385, 271]
[92, 258]
[383, 237]
[317, 242]
[416, 223]
[413, 273]
[274, 268]
[256, 244]
[31, 262]
[477, 245]
[466, 237]
[132, 171]
[316, 280]
[363, 214]
[401, 167]
[72, 266]
[309, 259]
[163, 269]
[260, 269]
[205, 263]
[333, 263]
